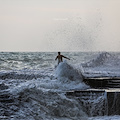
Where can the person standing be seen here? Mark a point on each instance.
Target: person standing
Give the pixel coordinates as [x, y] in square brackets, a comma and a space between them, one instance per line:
[60, 58]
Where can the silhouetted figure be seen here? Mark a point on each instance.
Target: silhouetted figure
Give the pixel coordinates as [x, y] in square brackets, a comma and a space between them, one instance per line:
[60, 58]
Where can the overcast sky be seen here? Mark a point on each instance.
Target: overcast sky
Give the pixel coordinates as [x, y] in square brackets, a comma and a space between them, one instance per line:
[59, 25]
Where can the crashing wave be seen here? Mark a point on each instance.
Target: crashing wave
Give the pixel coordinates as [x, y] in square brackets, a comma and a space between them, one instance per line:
[104, 58]
[36, 104]
[69, 77]
[64, 70]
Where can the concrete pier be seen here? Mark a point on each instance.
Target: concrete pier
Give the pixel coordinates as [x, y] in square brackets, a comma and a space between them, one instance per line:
[102, 99]
[102, 82]
[113, 101]
[98, 101]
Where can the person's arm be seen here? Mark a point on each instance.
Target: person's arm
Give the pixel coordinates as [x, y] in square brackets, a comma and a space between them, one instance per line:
[66, 57]
[56, 58]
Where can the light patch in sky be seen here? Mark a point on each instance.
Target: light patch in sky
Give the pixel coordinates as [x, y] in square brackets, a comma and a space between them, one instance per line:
[60, 19]
[59, 25]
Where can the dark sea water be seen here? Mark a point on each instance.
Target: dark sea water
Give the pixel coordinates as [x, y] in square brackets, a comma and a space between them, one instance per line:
[33, 87]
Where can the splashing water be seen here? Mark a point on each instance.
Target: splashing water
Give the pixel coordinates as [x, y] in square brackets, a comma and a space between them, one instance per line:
[70, 76]
[33, 90]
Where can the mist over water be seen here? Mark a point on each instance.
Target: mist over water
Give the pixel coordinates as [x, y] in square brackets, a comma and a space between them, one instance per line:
[76, 33]
[65, 25]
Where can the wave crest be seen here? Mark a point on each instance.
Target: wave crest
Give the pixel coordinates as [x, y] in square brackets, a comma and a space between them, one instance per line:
[104, 58]
[43, 105]
[64, 70]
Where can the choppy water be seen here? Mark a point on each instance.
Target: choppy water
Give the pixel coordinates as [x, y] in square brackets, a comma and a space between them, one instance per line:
[33, 88]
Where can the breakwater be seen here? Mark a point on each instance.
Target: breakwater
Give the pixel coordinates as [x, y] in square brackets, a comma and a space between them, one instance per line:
[102, 82]
[98, 102]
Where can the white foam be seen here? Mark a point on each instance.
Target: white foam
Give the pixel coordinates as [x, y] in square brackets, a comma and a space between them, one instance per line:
[47, 102]
[46, 96]
[70, 77]
[43, 97]
[116, 117]
[105, 64]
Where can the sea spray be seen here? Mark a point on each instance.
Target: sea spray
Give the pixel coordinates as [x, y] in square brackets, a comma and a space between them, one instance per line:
[35, 103]
[68, 75]
[103, 59]
[67, 71]
[93, 101]
[44, 97]
[37, 91]
[105, 64]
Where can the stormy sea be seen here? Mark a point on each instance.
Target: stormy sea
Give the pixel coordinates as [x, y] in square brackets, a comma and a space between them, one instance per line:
[33, 86]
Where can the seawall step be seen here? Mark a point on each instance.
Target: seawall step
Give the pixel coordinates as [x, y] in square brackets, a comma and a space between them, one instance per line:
[103, 82]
